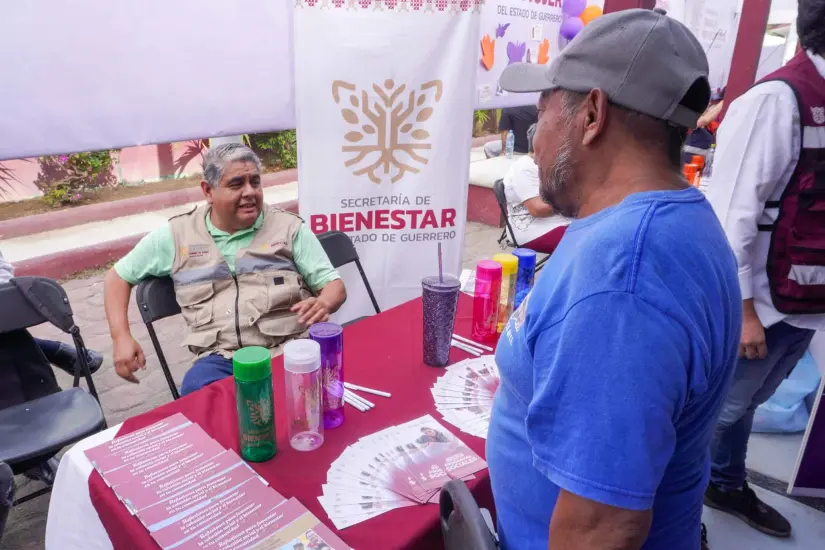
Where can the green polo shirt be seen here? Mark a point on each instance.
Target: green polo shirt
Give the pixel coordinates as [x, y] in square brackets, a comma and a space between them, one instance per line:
[154, 255]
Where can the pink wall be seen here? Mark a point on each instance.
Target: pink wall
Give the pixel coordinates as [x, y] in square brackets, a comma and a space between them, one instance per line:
[136, 164]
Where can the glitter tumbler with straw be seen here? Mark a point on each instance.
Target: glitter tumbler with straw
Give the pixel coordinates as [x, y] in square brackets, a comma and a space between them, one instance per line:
[485, 301]
[509, 269]
[330, 337]
[526, 273]
[440, 297]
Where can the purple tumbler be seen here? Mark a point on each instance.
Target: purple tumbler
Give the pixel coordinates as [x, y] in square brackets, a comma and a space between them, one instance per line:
[440, 296]
[330, 337]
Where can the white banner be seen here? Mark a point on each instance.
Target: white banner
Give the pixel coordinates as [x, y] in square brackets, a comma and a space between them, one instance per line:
[715, 23]
[94, 74]
[516, 31]
[384, 103]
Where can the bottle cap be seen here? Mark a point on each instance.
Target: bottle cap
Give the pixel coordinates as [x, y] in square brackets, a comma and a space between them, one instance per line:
[252, 364]
[509, 263]
[487, 270]
[526, 257]
[302, 356]
[329, 336]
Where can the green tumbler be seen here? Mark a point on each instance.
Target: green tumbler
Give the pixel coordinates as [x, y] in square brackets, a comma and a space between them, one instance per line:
[252, 368]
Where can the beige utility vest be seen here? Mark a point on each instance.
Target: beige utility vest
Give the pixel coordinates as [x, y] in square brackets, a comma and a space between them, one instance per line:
[226, 312]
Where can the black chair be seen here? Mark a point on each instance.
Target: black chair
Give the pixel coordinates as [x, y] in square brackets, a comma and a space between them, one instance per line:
[156, 300]
[34, 431]
[156, 296]
[501, 199]
[462, 523]
[6, 495]
[341, 251]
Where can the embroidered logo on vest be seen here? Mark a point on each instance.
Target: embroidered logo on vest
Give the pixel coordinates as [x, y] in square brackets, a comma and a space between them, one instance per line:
[818, 114]
[195, 251]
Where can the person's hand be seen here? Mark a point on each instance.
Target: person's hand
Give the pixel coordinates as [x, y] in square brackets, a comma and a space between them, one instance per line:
[128, 358]
[311, 311]
[752, 344]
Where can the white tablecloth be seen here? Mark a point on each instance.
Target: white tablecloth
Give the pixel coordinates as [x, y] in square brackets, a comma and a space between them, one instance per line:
[72, 523]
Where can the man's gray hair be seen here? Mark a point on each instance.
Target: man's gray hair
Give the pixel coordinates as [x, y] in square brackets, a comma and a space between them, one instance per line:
[218, 157]
[531, 133]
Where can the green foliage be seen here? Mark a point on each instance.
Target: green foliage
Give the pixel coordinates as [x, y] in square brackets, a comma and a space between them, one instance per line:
[482, 119]
[60, 193]
[90, 164]
[276, 149]
[63, 178]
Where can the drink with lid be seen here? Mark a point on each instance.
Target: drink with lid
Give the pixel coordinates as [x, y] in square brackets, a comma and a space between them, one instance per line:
[252, 368]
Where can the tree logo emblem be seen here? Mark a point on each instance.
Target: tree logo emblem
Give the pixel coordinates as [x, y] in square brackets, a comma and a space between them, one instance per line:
[386, 137]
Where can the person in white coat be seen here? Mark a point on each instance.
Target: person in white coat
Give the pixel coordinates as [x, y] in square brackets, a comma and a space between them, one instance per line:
[764, 172]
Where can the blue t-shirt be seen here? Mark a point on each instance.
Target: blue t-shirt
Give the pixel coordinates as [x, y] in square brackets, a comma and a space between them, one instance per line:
[614, 368]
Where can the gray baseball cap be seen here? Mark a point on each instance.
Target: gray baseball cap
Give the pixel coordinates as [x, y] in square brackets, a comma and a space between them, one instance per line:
[642, 59]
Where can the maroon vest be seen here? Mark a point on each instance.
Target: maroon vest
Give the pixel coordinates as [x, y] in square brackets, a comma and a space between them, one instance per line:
[796, 261]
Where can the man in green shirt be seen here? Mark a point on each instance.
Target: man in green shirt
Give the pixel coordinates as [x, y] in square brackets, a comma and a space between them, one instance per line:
[244, 273]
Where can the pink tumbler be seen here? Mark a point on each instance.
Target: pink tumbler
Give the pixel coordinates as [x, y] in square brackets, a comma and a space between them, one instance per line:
[485, 302]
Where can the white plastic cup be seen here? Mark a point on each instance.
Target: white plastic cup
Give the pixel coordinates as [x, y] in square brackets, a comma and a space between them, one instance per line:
[304, 397]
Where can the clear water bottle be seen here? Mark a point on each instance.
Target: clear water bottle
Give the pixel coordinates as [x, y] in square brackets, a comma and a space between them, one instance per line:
[304, 394]
[511, 144]
[708, 172]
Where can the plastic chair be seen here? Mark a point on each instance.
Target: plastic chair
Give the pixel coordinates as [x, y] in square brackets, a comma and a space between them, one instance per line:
[462, 523]
[501, 199]
[34, 431]
[156, 296]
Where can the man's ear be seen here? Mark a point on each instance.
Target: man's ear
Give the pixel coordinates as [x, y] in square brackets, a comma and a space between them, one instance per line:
[596, 106]
[207, 191]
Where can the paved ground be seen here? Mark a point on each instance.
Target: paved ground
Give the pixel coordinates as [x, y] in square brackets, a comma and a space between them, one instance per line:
[121, 400]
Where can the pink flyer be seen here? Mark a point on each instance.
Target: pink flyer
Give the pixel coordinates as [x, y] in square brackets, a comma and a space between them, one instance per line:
[441, 456]
[140, 494]
[290, 525]
[233, 512]
[156, 446]
[183, 456]
[138, 438]
[198, 495]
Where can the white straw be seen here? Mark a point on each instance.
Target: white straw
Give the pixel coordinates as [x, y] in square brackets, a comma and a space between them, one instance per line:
[366, 390]
[352, 403]
[349, 398]
[359, 399]
[472, 343]
[464, 347]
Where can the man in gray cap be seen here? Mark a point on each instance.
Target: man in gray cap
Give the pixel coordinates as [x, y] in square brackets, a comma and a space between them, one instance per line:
[614, 368]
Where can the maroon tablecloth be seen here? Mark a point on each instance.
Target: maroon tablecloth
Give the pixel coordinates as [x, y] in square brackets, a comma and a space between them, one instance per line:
[383, 352]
